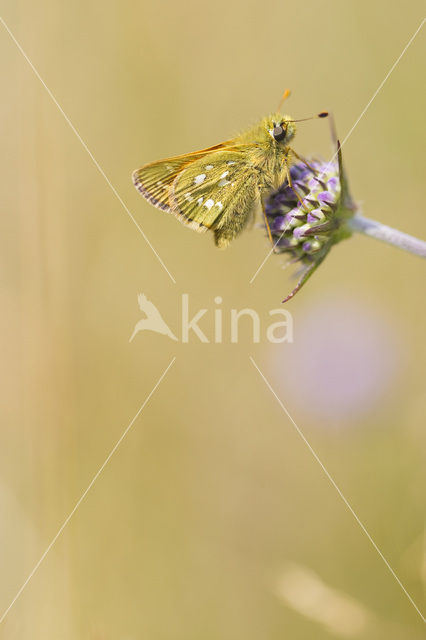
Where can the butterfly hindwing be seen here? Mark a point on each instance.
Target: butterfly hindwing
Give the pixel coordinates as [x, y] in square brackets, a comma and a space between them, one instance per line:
[215, 192]
[154, 181]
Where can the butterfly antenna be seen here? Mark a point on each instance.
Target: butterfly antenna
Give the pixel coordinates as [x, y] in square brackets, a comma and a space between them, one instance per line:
[322, 114]
[333, 131]
[284, 97]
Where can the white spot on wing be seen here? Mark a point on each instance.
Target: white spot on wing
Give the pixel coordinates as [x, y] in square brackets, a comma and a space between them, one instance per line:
[223, 182]
[230, 162]
[188, 197]
[209, 203]
[224, 174]
[209, 166]
[200, 200]
[200, 179]
[220, 205]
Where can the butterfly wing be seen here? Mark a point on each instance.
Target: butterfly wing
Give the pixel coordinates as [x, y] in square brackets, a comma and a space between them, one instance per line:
[215, 192]
[154, 180]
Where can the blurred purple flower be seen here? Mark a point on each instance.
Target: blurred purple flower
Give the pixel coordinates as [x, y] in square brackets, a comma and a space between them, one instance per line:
[351, 356]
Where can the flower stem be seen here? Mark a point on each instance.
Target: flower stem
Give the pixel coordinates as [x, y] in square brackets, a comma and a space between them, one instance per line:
[386, 234]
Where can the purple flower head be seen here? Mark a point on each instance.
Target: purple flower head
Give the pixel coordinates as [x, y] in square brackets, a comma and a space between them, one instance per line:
[309, 216]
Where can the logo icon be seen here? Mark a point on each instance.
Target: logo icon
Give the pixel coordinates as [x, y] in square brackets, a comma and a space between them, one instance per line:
[153, 320]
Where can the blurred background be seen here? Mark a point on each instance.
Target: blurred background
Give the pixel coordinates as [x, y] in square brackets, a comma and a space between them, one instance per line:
[212, 520]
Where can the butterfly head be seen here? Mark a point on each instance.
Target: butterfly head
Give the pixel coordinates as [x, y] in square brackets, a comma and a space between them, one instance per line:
[280, 128]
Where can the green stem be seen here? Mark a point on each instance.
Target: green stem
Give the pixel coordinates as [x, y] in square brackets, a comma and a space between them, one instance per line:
[386, 234]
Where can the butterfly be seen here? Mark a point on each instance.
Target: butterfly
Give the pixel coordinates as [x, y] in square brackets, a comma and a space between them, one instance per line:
[217, 188]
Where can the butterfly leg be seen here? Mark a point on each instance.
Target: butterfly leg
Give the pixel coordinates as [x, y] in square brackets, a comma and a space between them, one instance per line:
[305, 162]
[290, 182]
[268, 228]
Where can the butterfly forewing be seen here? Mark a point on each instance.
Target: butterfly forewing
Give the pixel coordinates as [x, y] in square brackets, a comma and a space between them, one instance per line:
[154, 180]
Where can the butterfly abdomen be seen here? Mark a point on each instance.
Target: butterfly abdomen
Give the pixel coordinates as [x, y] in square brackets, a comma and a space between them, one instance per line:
[235, 223]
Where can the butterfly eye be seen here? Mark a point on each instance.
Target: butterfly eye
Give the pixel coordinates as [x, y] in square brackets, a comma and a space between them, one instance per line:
[279, 133]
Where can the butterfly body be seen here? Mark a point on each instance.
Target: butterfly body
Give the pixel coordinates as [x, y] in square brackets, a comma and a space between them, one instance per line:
[218, 188]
